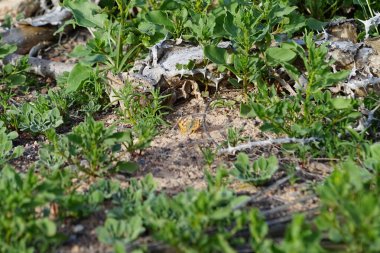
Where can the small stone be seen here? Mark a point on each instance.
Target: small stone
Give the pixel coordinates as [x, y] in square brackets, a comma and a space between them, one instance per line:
[78, 229]
[85, 163]
[374, 43]
[362, 57]
[75, 249]
[344, 32]
[343, 53]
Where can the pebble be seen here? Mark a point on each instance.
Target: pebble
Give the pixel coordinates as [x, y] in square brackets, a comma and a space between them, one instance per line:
[78, 229]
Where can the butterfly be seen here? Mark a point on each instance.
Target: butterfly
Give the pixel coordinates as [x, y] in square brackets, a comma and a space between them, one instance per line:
[189, 125]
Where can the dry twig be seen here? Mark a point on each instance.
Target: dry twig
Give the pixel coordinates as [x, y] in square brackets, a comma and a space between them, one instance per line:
[249, 145]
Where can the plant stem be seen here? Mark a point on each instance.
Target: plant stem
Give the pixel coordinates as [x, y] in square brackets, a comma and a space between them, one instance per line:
[308, 95]
[371, 12]
[245, 84]
[119, 44]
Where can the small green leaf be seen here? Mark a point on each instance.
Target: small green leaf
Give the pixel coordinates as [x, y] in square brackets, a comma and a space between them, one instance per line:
[276, 55]
[333, 78]
[242, 162]
[126, 167]
[96, 197]
[375, 151]
[238, 201]
[220, 214]
[341, 103]
[216, 54]
[47, 226]
[17, 151]
[119, 247]
[12, 135]
[160, 18]
[315, 24]
[7, 49]
[229, 25]
[86, 13]
[75, 138]
[121, 136]
[291, 70]
[247, 111]
[77, 76]
[17, 79]
[86, 55]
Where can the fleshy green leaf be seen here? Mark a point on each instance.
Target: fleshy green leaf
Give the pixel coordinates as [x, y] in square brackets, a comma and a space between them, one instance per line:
[77, 76]
[126, 167]
[341, 103]
[160, 18]
[276, 55]
[216, 54]
[86, 13]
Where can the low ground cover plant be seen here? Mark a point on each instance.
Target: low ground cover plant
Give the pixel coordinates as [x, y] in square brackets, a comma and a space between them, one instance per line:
[181, 221]
[7, 151]
[23, 228]
[91, 148]
[257, 173]
[350, 204]
[35, 117]
[312, 111]
[33, 209]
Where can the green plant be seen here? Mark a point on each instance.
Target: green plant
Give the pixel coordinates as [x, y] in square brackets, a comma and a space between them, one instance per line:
[35, 117]
[7, 151]
[140, 136]
[324, 9]
[300, 237]
[208, 155]
[202, 27]
[258, 230]
[44, 113]
[6, 49]
[173, 220]
[223, 103]
[57, 99]
[318, 69]
[350, 204]
[115, 231]
[12, 80]
[84, 85]
[258, 173]
[115, 40]
[25, 225]
[145, 112]
[218, 180]
[178, 19]
[191, 20]
[13, 76]
[76, 204]
[172, 22]
[312, 112]
[250, 29]
[33, 207]
[234, 137]
[90, 147]
[5, 98]
[139, 106]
